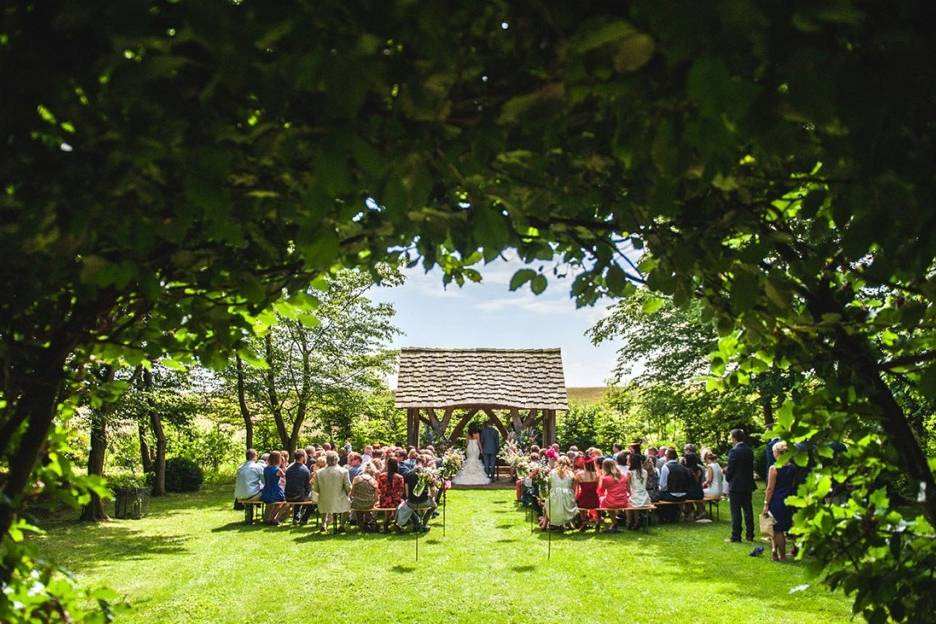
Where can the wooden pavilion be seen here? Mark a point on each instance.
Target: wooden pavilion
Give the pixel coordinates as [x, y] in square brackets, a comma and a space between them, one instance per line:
[527, 386]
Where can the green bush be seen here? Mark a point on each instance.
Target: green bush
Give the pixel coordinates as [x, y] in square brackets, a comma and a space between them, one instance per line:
[183, 475]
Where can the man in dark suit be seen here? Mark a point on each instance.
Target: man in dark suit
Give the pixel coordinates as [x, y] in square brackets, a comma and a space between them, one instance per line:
[740, 476]
[490, 444]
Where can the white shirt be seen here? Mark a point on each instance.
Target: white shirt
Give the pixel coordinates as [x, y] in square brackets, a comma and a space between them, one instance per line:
[249, 480]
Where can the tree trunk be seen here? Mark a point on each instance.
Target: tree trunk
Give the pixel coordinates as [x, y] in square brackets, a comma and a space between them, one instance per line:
[242, 402]
[275, 407]
[146, 456]
[94, 510]
[767, 404]
[37, 404]
[159, 468]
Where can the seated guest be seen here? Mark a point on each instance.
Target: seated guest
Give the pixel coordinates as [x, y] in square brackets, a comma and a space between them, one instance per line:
[419, 502]
[560, 504]
[529, 497]
[714, 484]
[368, 454]
[586, 493]
[621, 459]
[615, 449]
[390, 488]
[694, 493]
[613, 490]
[355, 465]
[343, 456]
[411, 461]
[333, 485]
[639, 497]
[653, 479]
[364, 497]
[318, 465]
[652, 454]
[674, 483]
[299, 486]
[248, 484]
[661, 458]
[265, 459]
[273, 494]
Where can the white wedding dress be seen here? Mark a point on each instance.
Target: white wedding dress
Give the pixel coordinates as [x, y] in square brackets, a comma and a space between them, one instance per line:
[472, 471]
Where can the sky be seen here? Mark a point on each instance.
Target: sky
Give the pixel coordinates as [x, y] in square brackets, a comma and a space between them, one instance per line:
[487, 314]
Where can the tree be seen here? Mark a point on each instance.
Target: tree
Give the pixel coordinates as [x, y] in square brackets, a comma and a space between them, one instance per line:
[305, 363]
[193, 165]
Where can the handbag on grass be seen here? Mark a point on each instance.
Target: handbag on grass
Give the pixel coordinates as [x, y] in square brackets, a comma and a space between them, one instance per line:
[767, 522]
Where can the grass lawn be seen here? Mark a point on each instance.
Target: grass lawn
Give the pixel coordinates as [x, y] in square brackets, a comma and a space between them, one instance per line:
[193, 560]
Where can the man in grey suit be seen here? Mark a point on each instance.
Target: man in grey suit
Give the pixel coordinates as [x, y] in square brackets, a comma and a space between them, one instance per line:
[333, 487]
[490, 444]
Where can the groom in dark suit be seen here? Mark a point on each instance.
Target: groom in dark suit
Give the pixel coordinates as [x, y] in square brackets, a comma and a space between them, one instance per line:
[740, 476]
[490, 444]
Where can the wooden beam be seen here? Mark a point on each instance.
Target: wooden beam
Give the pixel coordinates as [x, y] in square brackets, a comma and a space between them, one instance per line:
[531, 418]
[496, 421]
[464, 420]
[412, 426]
[515, 421]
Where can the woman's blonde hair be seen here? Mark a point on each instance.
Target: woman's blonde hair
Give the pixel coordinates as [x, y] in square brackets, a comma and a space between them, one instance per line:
[609, 466]
[779, 448]
[563, 465]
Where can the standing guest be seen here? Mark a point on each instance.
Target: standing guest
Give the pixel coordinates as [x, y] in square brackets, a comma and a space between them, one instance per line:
[768, 455]
[740, 476]
[390, 488]
[355, 465]
[614, 490]
[781, 483]
[299, 486]
[560, 504]
[265, 459]
[714, 479]
[490, 445]
[411, 462]
[347, 446]
[615, 449]
[248, 484]
[688, 448]
[273, 494]
[310, 457]
[661, 458]
[368, 454]
[586, 493]
[326, 446]
[639, 497]
[364, 497]
[343, 456]
[333, 486]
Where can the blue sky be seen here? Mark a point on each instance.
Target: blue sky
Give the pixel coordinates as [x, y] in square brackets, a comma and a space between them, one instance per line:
[489, 315]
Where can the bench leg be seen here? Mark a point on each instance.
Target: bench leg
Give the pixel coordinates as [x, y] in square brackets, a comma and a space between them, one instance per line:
[248, 513]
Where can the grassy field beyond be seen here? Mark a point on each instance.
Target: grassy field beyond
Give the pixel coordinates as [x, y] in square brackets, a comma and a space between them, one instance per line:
[193, 560]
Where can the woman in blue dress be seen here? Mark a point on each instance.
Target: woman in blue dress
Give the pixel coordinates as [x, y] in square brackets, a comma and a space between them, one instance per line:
[781, 483]
[273, 494]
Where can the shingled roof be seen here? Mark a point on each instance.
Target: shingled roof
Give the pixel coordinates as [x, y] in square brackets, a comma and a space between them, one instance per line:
[523, 378]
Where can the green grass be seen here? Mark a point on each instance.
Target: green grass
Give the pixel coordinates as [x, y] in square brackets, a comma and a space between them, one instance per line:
[193, 560]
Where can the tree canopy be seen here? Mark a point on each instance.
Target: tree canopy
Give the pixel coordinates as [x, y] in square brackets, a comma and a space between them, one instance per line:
[176, 172]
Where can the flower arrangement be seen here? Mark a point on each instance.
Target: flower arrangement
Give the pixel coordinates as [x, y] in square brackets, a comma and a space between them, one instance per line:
[451, 463]
[424, 478]
[540, 476]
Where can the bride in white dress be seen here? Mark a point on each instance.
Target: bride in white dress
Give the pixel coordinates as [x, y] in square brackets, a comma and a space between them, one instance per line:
[472, 471]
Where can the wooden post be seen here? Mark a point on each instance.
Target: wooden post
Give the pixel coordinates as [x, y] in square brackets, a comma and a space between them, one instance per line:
[549, 427]
[412, 426]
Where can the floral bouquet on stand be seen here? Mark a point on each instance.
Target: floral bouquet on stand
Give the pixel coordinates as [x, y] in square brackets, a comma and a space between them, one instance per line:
[512, 456]
[451, 463]
[424, 478]
[540, 476]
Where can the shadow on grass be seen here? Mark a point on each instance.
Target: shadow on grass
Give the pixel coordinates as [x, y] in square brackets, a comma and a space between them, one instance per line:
[401, 569]
[91, 545]
[523, 568]
[240, 527]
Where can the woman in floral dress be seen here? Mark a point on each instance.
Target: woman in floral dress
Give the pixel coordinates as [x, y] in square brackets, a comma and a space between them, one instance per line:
[390, 488]
[560, 505]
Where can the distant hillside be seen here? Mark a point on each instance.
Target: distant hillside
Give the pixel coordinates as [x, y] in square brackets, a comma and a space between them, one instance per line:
[587, 394]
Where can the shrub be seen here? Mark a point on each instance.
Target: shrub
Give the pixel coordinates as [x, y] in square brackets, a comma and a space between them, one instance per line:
[183, 475]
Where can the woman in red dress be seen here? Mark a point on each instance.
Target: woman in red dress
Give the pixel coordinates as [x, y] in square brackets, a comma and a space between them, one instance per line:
[613, 490]
[389, 489]
[586, 493]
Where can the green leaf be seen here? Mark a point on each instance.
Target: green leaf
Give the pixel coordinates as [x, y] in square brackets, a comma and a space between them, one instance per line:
[521, 277]
[248, 355]
[538, 284]
[652, 304]
[928, 382]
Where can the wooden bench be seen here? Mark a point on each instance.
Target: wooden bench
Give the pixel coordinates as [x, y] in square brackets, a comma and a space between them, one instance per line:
[250, 504]
[712, 501]
[646, 517]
